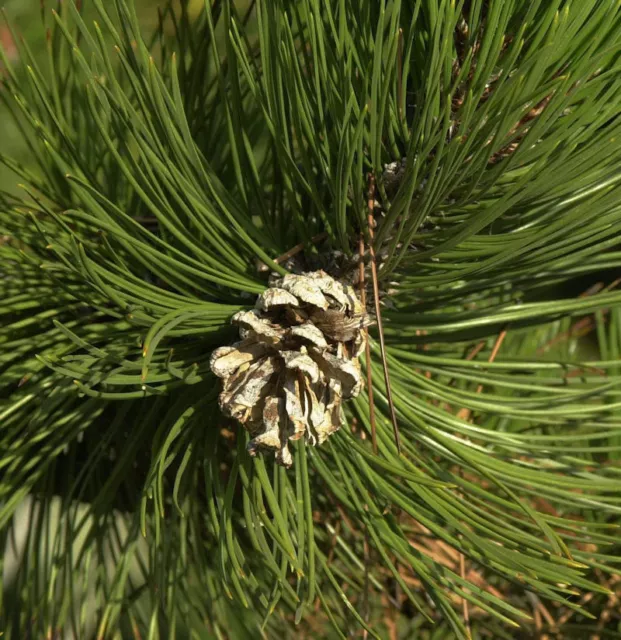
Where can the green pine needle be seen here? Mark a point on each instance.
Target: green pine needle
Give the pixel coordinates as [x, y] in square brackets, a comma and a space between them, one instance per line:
[163, 169]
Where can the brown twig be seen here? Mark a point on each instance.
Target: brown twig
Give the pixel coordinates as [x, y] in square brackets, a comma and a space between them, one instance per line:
[298, 247]
[544, 613]
[446, 555]
[400, 73]
[465, 413]
[537, 619]
[136, 630]
[294, 250]
[465, 606]
[473, 354]
[367, 585]
[378, 313]
[585, 325]
[367, 347]
[612, 606]
[470, 356]
[499, 340]
[464, 602]
[392, 628]
[577, 330]
[586, 598]
[425, 347]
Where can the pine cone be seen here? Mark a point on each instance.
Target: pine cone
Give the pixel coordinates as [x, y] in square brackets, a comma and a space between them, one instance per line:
[393, 175]
[297, 360]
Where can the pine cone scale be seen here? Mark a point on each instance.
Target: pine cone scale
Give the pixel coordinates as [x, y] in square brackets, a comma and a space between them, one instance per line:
[296, 363]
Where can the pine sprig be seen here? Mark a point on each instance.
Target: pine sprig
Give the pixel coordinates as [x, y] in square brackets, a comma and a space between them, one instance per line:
[164, 169]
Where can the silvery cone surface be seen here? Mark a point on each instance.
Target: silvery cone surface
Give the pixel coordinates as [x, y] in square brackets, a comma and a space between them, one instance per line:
[297, 360]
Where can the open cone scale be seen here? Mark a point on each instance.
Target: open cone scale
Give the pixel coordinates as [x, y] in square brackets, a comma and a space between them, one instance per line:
[296, 362]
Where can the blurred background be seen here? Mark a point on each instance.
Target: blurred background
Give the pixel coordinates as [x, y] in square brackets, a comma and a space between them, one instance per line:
[21, 21]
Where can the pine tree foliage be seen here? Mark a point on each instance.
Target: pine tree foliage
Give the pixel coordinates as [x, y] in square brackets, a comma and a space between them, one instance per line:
[166, 170]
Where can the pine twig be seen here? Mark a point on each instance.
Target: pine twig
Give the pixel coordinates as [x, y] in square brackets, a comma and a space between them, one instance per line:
[367, 586]
[298, 247]
[465, 413]
[367, 348]
[400, 73]
[378, 312]
[464, 602]
[294, 250]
